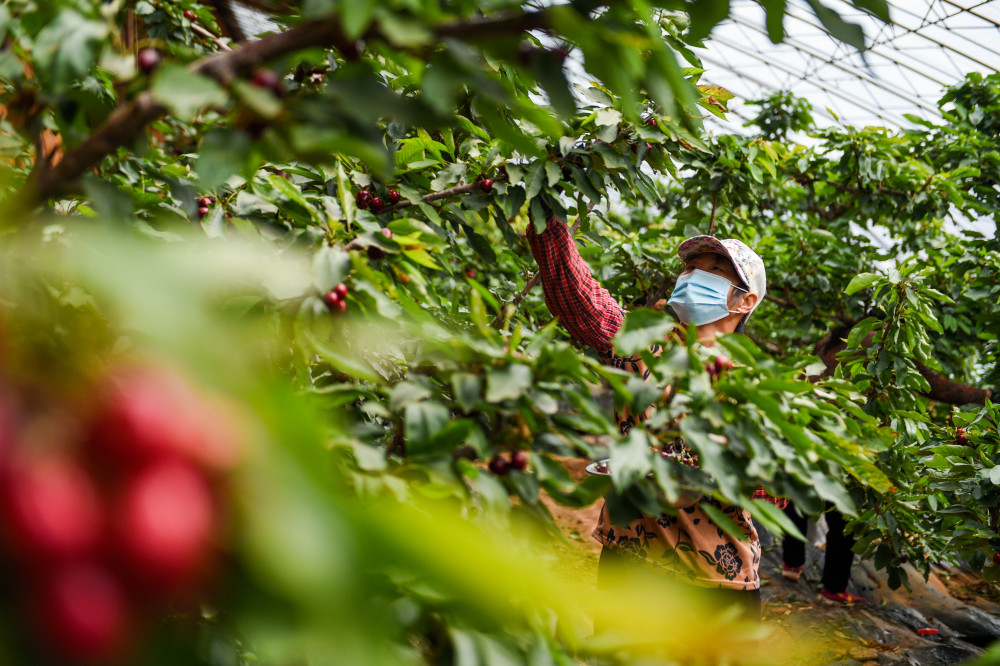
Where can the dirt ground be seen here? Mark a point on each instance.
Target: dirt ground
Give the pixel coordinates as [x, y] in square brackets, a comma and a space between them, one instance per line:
[958, 604]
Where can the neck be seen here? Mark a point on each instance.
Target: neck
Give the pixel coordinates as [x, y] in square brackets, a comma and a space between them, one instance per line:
[708, 332]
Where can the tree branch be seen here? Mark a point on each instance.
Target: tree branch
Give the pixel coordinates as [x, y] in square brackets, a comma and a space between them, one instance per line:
[942, 388]
[127, 122]
[434, 196]
[227, 20]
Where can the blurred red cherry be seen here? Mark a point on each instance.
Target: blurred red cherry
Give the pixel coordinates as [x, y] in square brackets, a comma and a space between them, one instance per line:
[341, 290]
[269, 80]
[519, 460]
[152, 412]
[167, 518]
[148, 59]
[82, 613]
[51, 509]
[499, 466]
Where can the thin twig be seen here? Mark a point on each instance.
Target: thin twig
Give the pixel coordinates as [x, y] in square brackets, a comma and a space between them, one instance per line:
[715, 207]
[128, 121]
[434, 196]
[211, 35]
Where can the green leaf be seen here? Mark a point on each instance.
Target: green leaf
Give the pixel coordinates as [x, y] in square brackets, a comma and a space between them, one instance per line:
[66, 49]
[184, 92]
[508, 382]
[850, 33]
[861, 281]
[549, 71]
[641, 329]
[468, 389]
[356, 15]
[777, 516]
[423, 421]
[722, 521]
[223, 153]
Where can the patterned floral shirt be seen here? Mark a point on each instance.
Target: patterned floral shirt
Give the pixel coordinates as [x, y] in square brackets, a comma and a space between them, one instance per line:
[688, 545]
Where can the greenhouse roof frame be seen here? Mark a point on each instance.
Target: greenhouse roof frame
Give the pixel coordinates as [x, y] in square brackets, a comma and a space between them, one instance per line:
[927, 46]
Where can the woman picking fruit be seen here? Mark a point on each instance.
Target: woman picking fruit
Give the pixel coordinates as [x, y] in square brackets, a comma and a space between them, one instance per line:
[722, 283]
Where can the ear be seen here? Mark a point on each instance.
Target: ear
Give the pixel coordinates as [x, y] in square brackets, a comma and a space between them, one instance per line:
[749, 301]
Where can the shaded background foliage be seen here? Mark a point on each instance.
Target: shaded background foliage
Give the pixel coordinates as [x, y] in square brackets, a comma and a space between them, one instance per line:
[476, 116]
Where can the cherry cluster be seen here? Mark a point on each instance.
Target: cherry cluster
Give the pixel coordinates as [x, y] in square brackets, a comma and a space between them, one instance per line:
[372, 201]
[718, 366]
[112, 512]
[502, 466]
[204, 206]
[336, 298]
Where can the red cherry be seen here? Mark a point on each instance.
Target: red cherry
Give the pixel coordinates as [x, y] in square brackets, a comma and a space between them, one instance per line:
[167, 518]
[386, 232]
[362, 198]
[519, 460]
[996, 559]
[393, 197]
[342, 306]
[722, 364]
[203, 211]
[82, 613]
[188, 14]
[471, 273]
[206, 201]
[50, 509]
[499, 466]
[341, 290]
[151, 412]
[331, 298]
[651, 121]
[649, 146]
[486, 185]
[269, 80]
[377, 205]
[148, 59]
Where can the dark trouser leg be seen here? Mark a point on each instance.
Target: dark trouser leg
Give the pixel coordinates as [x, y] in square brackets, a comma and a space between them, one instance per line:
[793, 551]
[839, 558]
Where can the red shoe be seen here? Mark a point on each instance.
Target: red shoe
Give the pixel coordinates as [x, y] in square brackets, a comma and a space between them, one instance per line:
[791, 573]
[845, 598]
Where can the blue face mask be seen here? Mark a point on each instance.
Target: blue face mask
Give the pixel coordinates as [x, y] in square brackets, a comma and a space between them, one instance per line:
[700, 297]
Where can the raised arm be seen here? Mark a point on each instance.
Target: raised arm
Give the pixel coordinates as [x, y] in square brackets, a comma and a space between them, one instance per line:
[582, 305]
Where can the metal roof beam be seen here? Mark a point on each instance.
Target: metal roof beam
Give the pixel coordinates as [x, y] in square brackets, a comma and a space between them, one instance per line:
[884, 55]
[968, 10]
[853, 72]
[831, 91]
[762, 84]
[916, 32]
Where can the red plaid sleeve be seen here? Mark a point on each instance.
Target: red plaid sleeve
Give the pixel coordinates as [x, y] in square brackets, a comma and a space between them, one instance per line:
[762, 494]
[581, 304]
